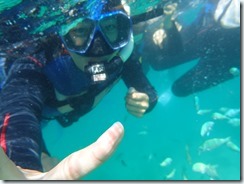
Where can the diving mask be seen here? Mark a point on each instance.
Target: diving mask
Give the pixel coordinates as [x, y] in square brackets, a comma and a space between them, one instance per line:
[97, 36]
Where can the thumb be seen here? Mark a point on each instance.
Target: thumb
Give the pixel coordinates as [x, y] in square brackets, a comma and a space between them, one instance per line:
[84, 161]
[131, 90]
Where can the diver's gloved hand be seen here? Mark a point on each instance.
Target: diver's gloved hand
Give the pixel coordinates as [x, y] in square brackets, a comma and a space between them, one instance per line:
[75, 166]
[136, 103]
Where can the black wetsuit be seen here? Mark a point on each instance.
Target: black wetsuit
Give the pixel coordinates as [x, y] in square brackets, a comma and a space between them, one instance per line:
[28, 90]
[217, 48]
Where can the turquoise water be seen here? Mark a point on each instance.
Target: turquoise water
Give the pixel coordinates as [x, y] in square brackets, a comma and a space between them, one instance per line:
[164, 132]
[172, 129]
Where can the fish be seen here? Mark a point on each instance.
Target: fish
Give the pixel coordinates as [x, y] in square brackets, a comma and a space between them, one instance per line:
[171, 174]
[166, 162]
[203, 111]
[233, 146]
[209, 170]
[196, 102]
[206, 128]
[188, 155]
[232, 113]
[223, 109]
[219, 116]
[123, 163]
[183, 174]
[234, 122]
[213, 143]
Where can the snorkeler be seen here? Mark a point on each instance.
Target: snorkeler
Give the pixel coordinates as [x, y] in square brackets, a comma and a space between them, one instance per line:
[64, 78]
[213, 38]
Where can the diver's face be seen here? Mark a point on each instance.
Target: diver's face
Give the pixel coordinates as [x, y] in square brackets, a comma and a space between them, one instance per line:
[79, 34]
[95, 39]
[110, 28]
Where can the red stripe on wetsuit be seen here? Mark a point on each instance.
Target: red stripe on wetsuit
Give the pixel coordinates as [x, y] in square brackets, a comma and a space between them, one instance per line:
[35, 61]
[3, 133]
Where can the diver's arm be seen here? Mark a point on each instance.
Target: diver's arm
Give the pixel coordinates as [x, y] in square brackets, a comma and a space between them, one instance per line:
[174, 44]
[22, 99]
[133, 76]
[147, 15]
[167, 54]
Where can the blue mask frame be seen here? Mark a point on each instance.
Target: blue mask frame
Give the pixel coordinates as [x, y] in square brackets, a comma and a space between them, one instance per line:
[96, 25]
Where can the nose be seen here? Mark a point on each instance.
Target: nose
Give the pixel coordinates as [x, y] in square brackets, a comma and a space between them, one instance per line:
[99, 46]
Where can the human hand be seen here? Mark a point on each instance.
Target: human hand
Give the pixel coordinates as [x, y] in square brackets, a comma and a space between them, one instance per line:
[73, 167]
[136, 103]
[169, 10]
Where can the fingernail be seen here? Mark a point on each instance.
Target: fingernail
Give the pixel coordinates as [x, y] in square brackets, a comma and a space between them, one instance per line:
[119, 126]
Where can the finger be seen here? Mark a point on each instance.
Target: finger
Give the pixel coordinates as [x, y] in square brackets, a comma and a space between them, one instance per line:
[135, 110]
[8, 170]
[138, 96]
[131, 90]
[132, 93]
[169, 9]
[137, 104]
[84, 161]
